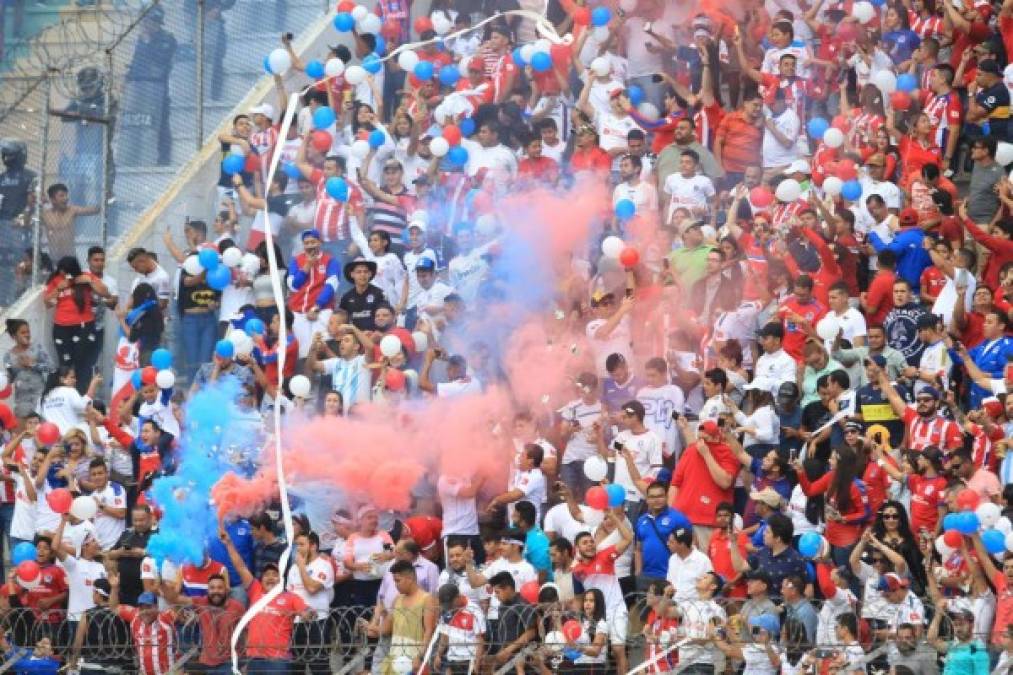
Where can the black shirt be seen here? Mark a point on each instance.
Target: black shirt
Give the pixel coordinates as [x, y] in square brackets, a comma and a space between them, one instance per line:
[129, 567]
[996, 101]
[814, 416]
[107, 640]
[514, 618]
[15, 186]
[263, 554]
[361, 306]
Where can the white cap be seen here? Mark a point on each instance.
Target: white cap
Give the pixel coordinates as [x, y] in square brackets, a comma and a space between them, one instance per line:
[417, 223]
[798, 166]
[265, 109]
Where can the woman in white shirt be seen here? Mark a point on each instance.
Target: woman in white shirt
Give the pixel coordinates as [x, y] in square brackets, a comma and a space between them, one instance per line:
[593, 641]
[62, 404]
[761, 429]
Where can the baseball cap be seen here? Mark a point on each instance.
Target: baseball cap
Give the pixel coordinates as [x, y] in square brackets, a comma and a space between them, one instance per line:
[265, 109]
[908, 216]
[798, 166]
[102, 587]
[147, 598]
[709, 427]
[852, 425]
[787, 390]
[891, 582]
[701, 33]
[615, 91]
[767, 622]
[768, 496]
[426, 263]
[989, 66]
[421, 180]
[929, 390]
[418, 224]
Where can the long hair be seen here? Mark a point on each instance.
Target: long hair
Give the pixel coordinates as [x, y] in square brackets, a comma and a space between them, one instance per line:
[599, 605]
[55, 378]
[903, 524]
[844, 475]
[69, 266]
[12, 326]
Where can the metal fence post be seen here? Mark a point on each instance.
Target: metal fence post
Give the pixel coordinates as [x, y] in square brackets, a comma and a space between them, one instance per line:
[40, 186]
[199, 49]
[108, 172]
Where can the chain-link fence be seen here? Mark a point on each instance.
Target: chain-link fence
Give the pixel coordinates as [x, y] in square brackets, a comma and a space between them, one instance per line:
[110, 102]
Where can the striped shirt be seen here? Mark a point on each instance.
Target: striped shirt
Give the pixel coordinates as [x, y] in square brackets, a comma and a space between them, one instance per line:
[944, 110]
[391, 218]
[332, 216]
[925, 26]
[349, 378]
[154, 641]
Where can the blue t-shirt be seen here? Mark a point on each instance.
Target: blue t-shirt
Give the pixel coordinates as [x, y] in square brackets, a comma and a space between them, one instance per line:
[900, 44]
[615, 395]
[653, 539]
[242, 538]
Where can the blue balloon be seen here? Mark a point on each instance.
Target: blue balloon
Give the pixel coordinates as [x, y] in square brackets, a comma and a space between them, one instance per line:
[907, 82]
[337, 188]
[267, 65]
[616, 493]
[314, 69]
[380, 47]
[423, 70]
[458, 155]
[135, 379]
[635, 94]
[22, 552]
[517, 58]
[467, 126]
[233, 164]
[377, 138]
[878, 3]
[625, 209]
[161, 358]
[851, 190]
[344, 22]
[541, 62]
[372, 64]
[224, 349]
[968, 523]
[208, 258]
[254, 326]
[291, 170]
[449, 75]
[809, 544]
[600, 16]
[323, 117]
[817, 127]
[219, 277]
[993, 540]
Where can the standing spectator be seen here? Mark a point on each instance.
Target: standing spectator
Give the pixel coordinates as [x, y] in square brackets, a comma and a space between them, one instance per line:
[686, 565]
[411, 621]
[152, 631]
[982, 200]
[59, 218]
[83, 570]
[71, 291]
[652, 531]
[145, 263]
[27, 366]
[739, 138]
[145, 119]
[129, 552]
[17, 187]
[312, 579]
[111, 499]
[704, 477]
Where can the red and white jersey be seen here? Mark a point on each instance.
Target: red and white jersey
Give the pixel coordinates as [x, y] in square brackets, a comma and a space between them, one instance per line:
[600, 572]
[153, 641]
[937, 431]
[925, 26]
[795, 91]
[706, 120]
[462, 631]
[864, 127]
[784, 213]
[666, 630]
[262, 143]
[332, 216]
[943, 110]
[982, 451]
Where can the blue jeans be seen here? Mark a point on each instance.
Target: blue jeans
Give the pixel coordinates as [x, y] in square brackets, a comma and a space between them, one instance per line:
[198, 333]
[6, 516]
[267, 667]
[572, 474]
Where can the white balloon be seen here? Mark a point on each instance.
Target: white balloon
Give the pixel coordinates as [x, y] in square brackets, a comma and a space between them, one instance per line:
[407, 60]
[439, 146]
[833, 137]
[612, 246]
[543, 45]
[390, 346]
[832, 185]
[334, 67]
[3, 380]
[863, 11]
[371, 23]
[988, 514]
[441, 24]
[299, 386]
[243, 346]
[421, 341]
[355, 75]
[360, 148]
[945, 550]
[402, 665]
[83, 507]
[233, 257]
[1004, 153]
[359, 12]
[279, 61]
[627, 5]
[649, 110]
[192, 265]
[827, 329]
[601, 66]
[1009, 542]
[165, 379]
[237, 150]
[527, 51]
[600, 34]
[595, 468]
[885, 81]
[788, 190]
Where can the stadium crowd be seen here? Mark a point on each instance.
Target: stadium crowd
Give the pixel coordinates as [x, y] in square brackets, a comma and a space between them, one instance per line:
[782, 259]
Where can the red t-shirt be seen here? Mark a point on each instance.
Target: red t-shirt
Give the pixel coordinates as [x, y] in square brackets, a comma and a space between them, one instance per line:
[216, 626]
[270, 631]
[67, 312]
[880, 296]
[926, 496]
[1004, 600]
[594, 159]
[974, 331]
[720, 553]
[52, 584]
[699, 495]
[932, 282]
[794, 336]
[153, 641]
[541, 170]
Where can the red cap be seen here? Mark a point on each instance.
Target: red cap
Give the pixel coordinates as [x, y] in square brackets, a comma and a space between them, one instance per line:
[615, 91]
[709, 427]
[908, 216]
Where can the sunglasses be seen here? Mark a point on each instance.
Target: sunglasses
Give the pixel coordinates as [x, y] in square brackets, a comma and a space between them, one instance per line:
[891, 516]
[391, 169]
[756, 631]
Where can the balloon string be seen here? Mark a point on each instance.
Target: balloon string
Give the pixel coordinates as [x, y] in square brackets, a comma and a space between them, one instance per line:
[279, 301]
[542, 25]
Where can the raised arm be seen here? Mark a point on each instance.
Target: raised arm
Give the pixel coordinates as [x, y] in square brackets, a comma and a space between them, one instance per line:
[245, 576]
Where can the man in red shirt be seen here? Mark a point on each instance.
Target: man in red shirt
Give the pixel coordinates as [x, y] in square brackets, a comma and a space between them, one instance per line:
[704, 477]
[49, 598]
[878, 300]
[270, 631]
[924, 426]
[218, 615]
[536, 169]
[588, 155]
[799, 314]
[153, 632]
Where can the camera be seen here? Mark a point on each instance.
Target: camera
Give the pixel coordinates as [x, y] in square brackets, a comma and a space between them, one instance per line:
[675, 415]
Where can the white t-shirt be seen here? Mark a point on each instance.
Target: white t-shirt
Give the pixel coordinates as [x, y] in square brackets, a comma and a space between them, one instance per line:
[460, 515]
[618, 342]
[772, 59]
[158, 279]
[691, 193]
[81, 576]
[683, 574]
[581, 444]
[107, 528]
[659, 404]
[936, 360]
[777, 367]
[643, 195]
[521, 571]
[612, 131]
[646, 449]
[756, 659]
[64, 407]
[698, 617]
[532, 484]
[463, 387]
[852, 323]
[559, 521]
[320, 570]
[23, 521]
[775, 154]
[161, 413]
[501, 163]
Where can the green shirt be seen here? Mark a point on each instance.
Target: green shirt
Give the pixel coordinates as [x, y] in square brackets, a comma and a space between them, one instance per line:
[689, 265]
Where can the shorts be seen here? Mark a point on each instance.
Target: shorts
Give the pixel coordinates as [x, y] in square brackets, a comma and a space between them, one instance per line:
[619, 627]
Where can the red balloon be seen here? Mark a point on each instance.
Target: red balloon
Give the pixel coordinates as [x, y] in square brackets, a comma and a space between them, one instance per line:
[581, 16]
[421, 531]
[529, 591]
[346, 6]
[900, 100]
[560, 54]
[840, 122]
[452, 133]
[391, 29]
[761, 196]
[29, 570]
[423, 24]
[967, 499]
[48, 433]
[597, 498]
[252, 163]
[952, 538]
[572, 630]
[629, 257]
[148, 375]
[59, 500]
[321, 140]
[395, 380]
[845, 169]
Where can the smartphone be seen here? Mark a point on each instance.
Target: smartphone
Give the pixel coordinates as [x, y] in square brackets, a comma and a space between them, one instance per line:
[289, 36]
[617, 446]
[675, 415]
[657, 79]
